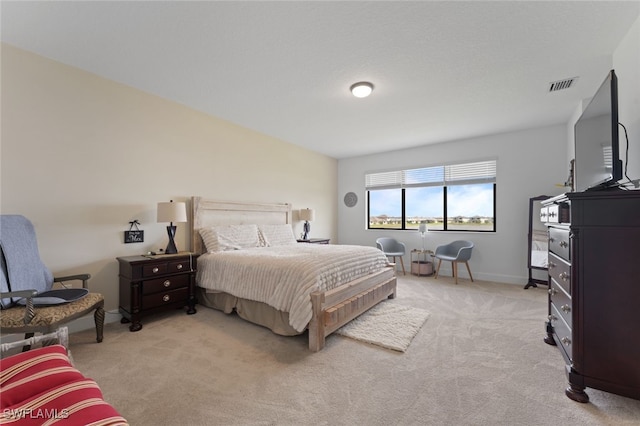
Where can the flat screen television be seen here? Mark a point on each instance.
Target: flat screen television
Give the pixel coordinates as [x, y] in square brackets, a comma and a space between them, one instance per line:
[597, 154]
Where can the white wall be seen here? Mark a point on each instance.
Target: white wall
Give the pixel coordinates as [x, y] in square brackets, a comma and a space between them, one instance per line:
[82, 156]
[530, 163]
[626, 62]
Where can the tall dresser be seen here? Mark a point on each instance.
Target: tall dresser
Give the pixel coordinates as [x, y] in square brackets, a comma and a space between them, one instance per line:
[594, 289]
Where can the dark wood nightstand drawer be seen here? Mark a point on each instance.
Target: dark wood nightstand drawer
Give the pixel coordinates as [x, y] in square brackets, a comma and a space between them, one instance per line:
[178, 266]
[165, 298]
[165, 284]
[154, 269]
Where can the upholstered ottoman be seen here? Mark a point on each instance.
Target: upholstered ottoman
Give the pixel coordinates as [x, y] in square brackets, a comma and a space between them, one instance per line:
[41, 387]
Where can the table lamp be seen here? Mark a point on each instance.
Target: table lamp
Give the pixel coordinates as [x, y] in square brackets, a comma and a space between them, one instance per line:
[172, 212]
[308, 215]
[423, 232]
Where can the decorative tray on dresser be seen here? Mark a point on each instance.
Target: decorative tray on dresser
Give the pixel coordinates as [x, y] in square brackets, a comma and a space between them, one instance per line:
[594, 289]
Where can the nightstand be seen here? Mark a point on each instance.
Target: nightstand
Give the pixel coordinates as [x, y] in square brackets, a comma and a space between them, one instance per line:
[151, 284]
[315, 241]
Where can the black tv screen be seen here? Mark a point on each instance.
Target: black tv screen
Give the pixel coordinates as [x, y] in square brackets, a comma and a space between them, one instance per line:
[597, 162]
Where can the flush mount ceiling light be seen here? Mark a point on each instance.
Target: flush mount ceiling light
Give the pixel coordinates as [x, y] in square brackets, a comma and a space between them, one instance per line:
[361, 89]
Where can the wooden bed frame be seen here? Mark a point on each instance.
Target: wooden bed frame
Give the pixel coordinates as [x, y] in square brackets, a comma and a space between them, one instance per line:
[331, 309]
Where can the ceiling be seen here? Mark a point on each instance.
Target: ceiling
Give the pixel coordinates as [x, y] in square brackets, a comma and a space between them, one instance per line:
[442, 71]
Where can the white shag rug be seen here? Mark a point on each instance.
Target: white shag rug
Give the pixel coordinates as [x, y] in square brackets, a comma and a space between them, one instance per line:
[387, 324]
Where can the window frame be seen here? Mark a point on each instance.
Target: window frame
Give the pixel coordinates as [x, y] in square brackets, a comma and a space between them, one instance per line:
[467, 173]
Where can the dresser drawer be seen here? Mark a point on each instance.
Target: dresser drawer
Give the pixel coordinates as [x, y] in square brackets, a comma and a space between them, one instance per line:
[161, 268]
[561, 300]
[178, 266]
[560, 271]
[165, 298]
[154, 269]
[559, 242]
[562, 332]
[544, 214]
[165, 284]
[552, 213]
[558, 213]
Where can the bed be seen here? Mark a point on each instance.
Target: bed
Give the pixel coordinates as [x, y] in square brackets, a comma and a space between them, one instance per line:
[275, 282]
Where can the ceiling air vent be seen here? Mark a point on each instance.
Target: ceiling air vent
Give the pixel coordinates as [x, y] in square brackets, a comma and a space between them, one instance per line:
[562, 84]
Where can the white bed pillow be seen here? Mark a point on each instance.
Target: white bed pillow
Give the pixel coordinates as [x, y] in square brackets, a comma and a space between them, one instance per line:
[277, 235]
[230, 237]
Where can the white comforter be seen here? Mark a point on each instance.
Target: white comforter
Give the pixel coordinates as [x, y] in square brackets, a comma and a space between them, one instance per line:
[284, 277]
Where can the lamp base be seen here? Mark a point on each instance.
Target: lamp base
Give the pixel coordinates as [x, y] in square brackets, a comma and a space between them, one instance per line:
[306, 228]
[171, 247]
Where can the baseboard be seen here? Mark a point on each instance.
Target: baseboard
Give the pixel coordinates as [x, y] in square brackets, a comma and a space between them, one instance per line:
[498, 278]
[87, 322]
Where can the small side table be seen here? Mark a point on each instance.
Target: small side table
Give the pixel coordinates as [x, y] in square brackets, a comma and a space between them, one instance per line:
[315, 241]
[420, 263]
[150, 284]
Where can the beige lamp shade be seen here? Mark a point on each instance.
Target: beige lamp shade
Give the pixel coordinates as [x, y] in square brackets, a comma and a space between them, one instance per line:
[172, 212]
[307, 214]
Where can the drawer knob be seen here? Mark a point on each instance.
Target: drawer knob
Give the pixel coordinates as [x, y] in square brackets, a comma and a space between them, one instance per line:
[167, 283]
[553, 318]
[166, 298]
[564, 276]
[566, 309]
[564, 244]
[179, 266]
[155, 270]
[552, 291]
[551, 239]
[552, 265]
[565, 340]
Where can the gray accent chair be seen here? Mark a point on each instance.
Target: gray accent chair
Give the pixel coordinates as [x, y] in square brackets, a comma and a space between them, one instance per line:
[456, 252]
[392, 248]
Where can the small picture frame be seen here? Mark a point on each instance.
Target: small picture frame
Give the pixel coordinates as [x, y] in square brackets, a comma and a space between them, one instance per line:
[133, 235]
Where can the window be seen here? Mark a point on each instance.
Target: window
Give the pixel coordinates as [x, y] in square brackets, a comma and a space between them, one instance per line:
[454, 197]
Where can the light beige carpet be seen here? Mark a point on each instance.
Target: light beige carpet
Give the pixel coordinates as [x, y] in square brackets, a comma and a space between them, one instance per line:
[388, 324]
[479, 360]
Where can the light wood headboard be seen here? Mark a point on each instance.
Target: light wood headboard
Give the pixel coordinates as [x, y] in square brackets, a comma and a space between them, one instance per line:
[205, 213]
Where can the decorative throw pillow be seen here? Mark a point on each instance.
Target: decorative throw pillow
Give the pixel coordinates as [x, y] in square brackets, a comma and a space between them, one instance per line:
[230, 237]
[277, 235]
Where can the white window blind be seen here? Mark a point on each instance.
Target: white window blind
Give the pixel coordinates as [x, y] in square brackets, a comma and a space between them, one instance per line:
[451, 174]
